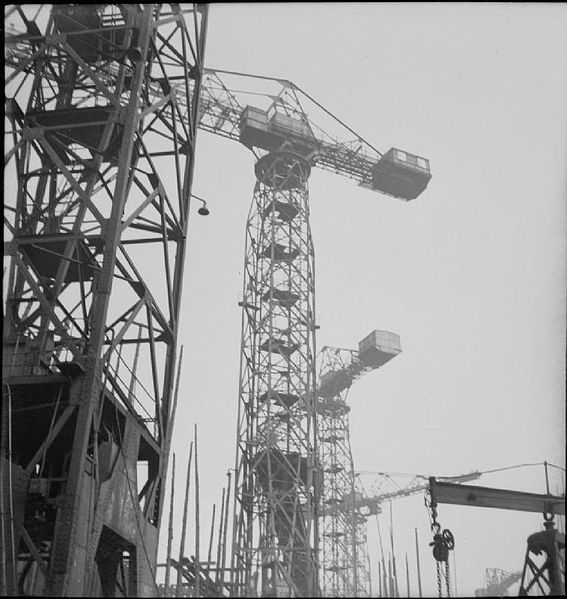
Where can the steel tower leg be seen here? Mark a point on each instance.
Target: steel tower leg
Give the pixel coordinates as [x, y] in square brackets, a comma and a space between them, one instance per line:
[98, 177]
[275, 525]
[544, 565]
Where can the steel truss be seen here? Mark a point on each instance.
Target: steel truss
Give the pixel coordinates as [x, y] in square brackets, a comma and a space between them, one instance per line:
[544, 565]
[99, 165]
[344, 553]
[275, 521]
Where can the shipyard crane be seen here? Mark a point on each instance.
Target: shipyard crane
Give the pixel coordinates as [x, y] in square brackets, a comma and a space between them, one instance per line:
[98, 177]
[543, 572]
[276, 494]
[277, 480]
[342, 528]
[349, 498]
[497, 582]
[374, 491]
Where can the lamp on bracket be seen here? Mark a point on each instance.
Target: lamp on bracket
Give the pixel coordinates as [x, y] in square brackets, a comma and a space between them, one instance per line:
[203, 210]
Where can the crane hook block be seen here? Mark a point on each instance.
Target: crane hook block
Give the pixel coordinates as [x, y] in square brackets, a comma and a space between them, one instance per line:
[442, 543]
[401, 174]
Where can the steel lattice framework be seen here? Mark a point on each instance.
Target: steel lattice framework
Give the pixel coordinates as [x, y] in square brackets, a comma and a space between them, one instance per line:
[338, 519]
[102, 113]
[344, 552]
[278, 479]
[141, 85]
[274, 530]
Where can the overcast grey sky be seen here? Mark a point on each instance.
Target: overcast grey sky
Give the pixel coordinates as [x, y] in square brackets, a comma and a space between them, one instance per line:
[471, 275]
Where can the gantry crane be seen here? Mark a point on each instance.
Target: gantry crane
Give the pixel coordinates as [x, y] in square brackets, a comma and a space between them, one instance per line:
[99, 165]
[342, 528]
[276, 498]
[544, 565]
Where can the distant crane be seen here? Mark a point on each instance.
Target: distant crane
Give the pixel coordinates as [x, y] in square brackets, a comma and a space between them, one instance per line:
[344, 559]
[346, 502]
[497, 582]
[374, 493]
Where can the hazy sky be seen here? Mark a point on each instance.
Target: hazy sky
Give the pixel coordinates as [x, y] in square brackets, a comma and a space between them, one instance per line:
[471, 274]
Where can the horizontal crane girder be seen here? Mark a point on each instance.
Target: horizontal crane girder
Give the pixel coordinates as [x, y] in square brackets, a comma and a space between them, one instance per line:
[504, 499]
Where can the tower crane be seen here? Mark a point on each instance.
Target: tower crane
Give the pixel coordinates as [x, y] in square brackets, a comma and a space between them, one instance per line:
[342, 529]
[275, 537]
[98, 177]
[276, 497]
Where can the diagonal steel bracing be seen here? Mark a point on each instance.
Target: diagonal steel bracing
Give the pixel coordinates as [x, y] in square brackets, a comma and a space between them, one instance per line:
[99, 167]
[275, 520]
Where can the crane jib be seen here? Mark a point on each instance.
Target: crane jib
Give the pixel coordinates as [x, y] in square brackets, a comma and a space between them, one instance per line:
[505, 499]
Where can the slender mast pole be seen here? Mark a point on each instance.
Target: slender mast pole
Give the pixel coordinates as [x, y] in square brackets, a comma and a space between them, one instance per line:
[184, 528]
[225, 526]
[209, 554]
[170, 529]
[219, 544]
[418, 565]
[394, 570]
[197, 525]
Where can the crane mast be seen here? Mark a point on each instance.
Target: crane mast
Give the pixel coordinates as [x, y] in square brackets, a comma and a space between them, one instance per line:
[343, 549]
[99, 166]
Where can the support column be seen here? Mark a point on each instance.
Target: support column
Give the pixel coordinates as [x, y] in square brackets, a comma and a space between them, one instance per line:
[275, 538]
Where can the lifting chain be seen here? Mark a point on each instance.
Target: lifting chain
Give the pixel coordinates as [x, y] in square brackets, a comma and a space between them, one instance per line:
[443, 542]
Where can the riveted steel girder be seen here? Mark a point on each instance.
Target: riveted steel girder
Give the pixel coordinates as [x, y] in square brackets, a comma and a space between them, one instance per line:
[98, 182]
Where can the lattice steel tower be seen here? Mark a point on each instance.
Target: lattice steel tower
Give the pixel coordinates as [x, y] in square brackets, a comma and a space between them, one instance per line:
[343, 513]
[278, 480]
[276, 434]
[102, 111]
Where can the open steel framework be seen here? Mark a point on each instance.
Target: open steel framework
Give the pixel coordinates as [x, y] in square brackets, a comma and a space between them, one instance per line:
[274, 531]
[343, 514]
[101, 120]
[131, 105]
[277, 478]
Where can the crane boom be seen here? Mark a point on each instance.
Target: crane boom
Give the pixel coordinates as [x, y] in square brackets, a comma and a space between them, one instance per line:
[291, 114]
[374, 497]
[265, 112]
